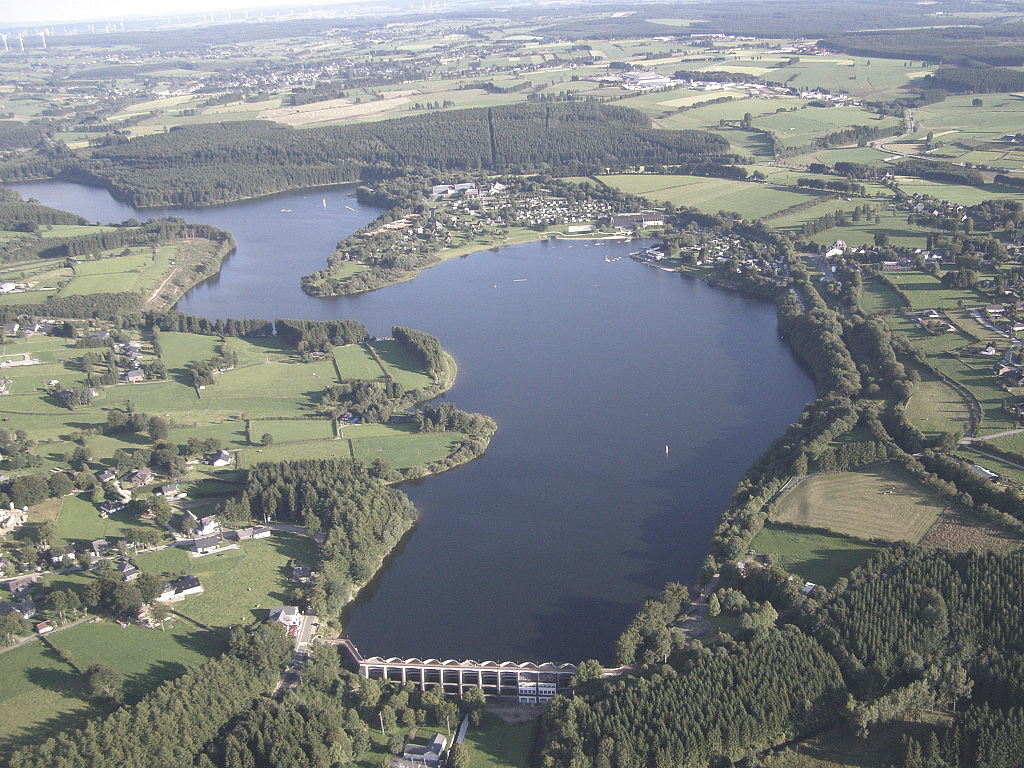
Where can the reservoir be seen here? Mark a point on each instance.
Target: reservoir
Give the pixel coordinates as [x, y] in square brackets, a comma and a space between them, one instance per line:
[629, 402]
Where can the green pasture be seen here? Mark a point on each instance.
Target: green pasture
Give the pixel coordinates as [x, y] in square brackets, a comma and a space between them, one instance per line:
[936, 407]
[398, 446]
[278, 388]
[865, 155]
[72, 230]
[880, 502]
[293, 430]
[157, 398]
[711, 115]
[356, 362]
[856, 75]
[1000, 114]
[969, 324]
[817, 557]
[973, 373]
[48, 427]
[177, 349]
[1005, 469]
[258, 350]
[962, 194]
[144, 658]
[496, 744]
[30, 382]
[805, 125]
[312, 449]
[231, 433]
[239, 585]
[891, 223]
[876, 296]
[926, 292]
[79, 523]
[1014, 442]
[749, 199]
[206, 481]
[41, 347]
[39, 695]
[402, 366]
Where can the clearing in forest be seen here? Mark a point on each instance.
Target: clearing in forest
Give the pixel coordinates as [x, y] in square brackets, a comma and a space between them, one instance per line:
[882, 502]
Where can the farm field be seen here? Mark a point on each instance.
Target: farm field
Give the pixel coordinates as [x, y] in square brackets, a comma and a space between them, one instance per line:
[40, 694]
[876, 296]
[398, 447]
[1014, 442]
[925, 291]
[959, 193]
[974, 374]
[802, 127]
[971, 126]
[817, 557]
[893, 224]
[936, 407]
[144, 658]
[749, 199]
[876, 503]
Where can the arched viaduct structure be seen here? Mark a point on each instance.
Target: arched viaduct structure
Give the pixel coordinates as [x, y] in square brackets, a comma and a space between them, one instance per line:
[525, 682]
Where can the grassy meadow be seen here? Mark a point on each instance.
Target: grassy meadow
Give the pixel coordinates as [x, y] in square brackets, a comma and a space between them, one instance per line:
[817, 557]
[240, 585]
[881, 502]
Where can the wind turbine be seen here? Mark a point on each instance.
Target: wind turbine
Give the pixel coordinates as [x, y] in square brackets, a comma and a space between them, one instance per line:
[6, 47]
[21, 40]
[42, 36]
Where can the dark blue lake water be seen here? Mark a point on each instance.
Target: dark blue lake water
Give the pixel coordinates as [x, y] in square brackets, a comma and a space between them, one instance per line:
[544, 548]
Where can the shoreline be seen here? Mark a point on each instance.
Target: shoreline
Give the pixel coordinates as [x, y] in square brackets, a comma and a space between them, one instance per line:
[466, 250]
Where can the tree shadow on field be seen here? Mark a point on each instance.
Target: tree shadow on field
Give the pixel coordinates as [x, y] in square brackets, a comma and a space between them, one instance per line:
[63, 681]
[138, 685]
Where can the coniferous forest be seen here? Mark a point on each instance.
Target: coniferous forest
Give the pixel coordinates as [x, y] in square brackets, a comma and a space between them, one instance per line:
[204, 164]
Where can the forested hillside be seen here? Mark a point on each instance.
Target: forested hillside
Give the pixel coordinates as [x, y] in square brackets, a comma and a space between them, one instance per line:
[203, 164]
[912, 629]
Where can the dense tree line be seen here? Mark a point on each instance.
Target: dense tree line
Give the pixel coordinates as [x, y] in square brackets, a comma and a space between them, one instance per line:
[932, 170]
[424, 348]
[977, 79]
[174, 320]
[15, 134]
[709, 706]
[995, 44]
[372, 401]
[30, 216]
[836, 186]
[648, 638]
[93, 305]
[173, 724]
[203, 164]
[320, 335]
[16, 212]
[856, 170]
[447, 418]
[1012, 181]
[362, 517]
[912, 629]
[915, 628]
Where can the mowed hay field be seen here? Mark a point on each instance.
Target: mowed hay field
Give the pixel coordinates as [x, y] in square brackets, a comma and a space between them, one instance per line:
[936, 407]
[877, 503]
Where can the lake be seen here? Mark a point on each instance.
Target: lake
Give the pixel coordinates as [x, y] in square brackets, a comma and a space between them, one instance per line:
[629, 402]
